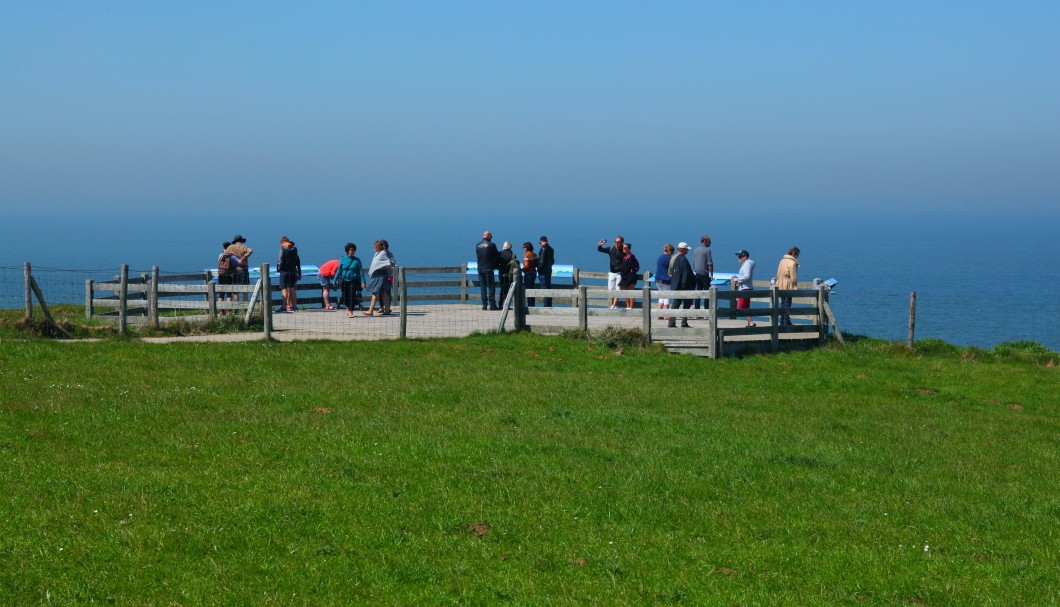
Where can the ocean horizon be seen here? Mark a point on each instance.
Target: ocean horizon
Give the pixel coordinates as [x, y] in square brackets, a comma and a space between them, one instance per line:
[980, 280]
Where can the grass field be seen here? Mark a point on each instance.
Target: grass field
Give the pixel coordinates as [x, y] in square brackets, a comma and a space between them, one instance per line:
[521, 470]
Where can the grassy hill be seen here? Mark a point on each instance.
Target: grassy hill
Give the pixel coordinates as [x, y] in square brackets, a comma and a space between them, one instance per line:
[521, 470]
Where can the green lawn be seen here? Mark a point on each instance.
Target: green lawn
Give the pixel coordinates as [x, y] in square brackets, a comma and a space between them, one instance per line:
[521, 470]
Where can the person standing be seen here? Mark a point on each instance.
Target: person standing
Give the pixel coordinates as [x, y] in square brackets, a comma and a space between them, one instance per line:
[289, 267]
[744, 281]
[241, 271]
[703, 266]
[630, 272]
[787, 279]
[614, 274]
[379, 274]
[487, 257]
[507, 267]
[529, 270]
[662, 275]
[350, 274]
[546, 258]
[682, 278]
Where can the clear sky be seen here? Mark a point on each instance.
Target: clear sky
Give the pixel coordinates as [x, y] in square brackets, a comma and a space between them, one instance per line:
[530, 105]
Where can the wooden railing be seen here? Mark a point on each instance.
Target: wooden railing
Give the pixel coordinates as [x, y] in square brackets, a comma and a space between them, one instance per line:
[807, 304]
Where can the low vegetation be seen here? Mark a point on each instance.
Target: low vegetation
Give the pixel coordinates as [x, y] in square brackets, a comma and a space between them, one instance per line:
[523, 470]
[69, 322]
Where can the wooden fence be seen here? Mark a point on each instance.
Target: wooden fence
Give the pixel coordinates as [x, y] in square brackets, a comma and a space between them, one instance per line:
[811, 306]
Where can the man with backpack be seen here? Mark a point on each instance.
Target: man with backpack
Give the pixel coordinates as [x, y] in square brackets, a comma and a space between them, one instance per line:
[239, 269]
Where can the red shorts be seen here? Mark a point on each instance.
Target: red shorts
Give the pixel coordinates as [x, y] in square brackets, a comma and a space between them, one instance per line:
[743, 302]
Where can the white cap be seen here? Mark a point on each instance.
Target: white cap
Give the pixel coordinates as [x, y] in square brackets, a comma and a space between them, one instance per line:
[682, 245]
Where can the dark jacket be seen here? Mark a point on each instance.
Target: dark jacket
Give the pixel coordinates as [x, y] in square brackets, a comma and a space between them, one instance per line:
[616, 257]
[681, 277]
[289, 261]
[487, 256]
[630, 271]
[546, 258]
[504, 262]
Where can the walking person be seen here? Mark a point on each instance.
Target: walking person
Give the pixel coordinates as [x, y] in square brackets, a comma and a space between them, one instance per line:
[682, 278]
[350, 274]
[787, 279]
[529, 270]
[703, 266]
[487, 257]
[744, 281]
[630, 272]
[546, 258]
[662, 275]
[614, 274]
[289, 266]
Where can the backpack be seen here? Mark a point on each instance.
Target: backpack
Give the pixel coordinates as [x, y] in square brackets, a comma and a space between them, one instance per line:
[224, 264]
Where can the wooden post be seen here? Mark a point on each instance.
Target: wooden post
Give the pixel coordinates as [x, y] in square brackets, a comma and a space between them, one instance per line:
[774, 338]
[404, 305]
[575, 273]
[253, 299]
[89, 309]
[211, 306]
[520, 306]
[646, 307]
[266, 300]
[912, 317]
[822, 329]
[712, 339]
[29, 291]
[583, 308]
[463, 283]
[152, 301]
[40, 299]
[123, 300]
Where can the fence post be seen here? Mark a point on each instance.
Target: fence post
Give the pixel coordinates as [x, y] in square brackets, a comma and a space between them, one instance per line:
[266, 301]
[463, 283]
[646, 307]
[152, 301]
[89, 310]
[211, 293]
[913, 316]
[575, 279]
[403, 303]
[123, 300]
[583, 308]
[712, 339]
[29, 291]
[520, 306]
[774, 337]
[822, 328]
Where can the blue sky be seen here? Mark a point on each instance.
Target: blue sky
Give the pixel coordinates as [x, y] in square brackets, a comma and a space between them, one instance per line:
[454, 106]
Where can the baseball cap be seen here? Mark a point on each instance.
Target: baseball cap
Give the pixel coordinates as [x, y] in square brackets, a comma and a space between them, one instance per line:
[742, 253]
[682, 245]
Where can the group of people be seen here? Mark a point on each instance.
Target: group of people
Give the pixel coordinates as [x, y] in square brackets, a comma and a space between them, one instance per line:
[536, 269]
[674, 272]
[347, 275]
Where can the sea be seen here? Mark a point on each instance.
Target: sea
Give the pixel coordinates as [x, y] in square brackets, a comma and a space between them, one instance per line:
[979, 280]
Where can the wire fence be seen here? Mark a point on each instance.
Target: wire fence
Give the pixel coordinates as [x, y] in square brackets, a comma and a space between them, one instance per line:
[420, 302]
